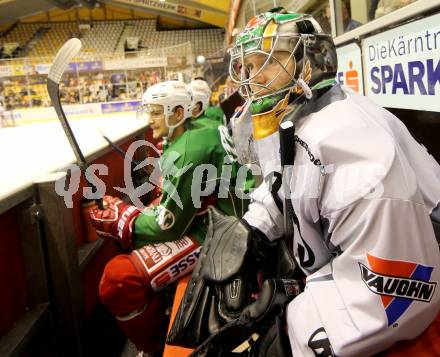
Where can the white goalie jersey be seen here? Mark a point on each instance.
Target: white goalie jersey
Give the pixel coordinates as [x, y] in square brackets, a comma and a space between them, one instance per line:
[367, 212]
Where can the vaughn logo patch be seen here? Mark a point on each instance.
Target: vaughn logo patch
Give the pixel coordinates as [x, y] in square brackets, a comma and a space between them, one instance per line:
[398, 283]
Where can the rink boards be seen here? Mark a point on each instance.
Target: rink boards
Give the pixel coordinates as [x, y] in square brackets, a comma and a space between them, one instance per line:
[31, 150]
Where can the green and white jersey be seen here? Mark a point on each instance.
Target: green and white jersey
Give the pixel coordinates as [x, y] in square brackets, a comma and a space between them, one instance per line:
[215, 113]
[205, 121]
[199, 162]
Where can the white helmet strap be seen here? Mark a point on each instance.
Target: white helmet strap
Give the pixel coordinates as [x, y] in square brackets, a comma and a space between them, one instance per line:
[174, 126]
[201, 110]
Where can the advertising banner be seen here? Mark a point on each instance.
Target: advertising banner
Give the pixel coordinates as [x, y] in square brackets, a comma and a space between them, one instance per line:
[176, 61]
[48, 113]
[402, 65]
[42, 68]
[5, 71]
[22, 69]
[120, 107]
[87, 66]
[133, 63]
[350, 67]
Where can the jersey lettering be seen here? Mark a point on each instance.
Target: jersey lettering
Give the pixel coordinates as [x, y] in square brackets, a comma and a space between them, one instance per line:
[396, 286]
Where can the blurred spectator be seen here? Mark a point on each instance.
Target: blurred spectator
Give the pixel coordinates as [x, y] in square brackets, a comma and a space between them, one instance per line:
[73, 82]
[36, 102]
[348, 22]
[102, 94]
[23, 102]
[45, 102]
[110, 92]
[155, 78]
[2, 112]
[122, 95]
[136, 91]
[75, 88]
[386, 6]
[372, 9]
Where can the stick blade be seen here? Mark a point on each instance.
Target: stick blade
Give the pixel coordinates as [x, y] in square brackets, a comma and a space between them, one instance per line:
[69, 50]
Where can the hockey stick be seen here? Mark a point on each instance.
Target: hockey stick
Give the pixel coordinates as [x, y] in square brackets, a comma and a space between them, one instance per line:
[69, 50]
[287, 156]
[119, 150]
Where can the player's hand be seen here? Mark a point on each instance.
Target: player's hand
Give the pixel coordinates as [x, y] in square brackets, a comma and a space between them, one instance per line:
[115, 221]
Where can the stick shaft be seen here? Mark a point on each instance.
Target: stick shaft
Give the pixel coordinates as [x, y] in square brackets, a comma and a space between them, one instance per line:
[59, 65]
[53, 90]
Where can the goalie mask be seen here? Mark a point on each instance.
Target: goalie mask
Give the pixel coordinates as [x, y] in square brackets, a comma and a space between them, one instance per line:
[169, 95]
[277, 60]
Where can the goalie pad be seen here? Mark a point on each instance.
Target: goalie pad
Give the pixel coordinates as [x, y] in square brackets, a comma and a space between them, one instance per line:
[261, 323]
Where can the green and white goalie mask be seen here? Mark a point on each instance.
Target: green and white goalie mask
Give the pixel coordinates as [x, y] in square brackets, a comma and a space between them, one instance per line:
[276, 60]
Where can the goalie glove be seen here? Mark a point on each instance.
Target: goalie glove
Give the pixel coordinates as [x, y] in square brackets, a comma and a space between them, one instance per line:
[115, 221]
[235, 258]
[259, 318]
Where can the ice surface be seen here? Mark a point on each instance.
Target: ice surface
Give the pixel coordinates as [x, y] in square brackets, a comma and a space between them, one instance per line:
[29, 151]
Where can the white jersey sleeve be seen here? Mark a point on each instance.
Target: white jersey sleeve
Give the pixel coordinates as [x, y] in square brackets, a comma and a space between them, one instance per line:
[264, 214]
[379, 290]
[365, 235]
